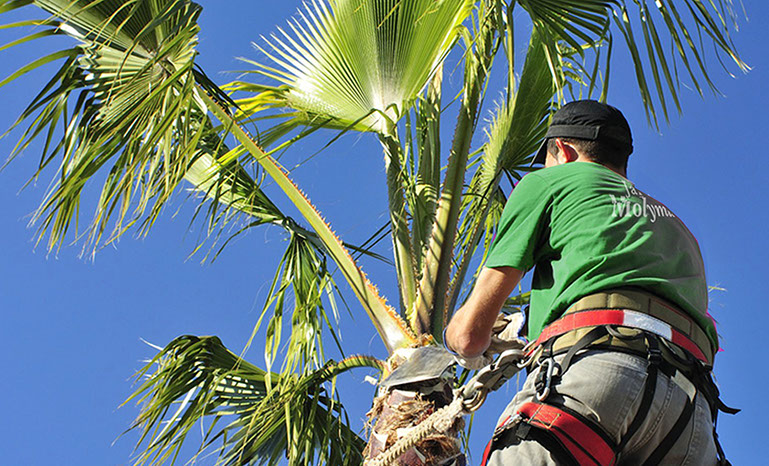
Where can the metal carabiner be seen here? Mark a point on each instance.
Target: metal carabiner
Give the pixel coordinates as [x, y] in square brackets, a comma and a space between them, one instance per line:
[548, 366]
[473, 398]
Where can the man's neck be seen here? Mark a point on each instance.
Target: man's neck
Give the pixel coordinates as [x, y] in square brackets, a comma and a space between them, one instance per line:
[621, 172]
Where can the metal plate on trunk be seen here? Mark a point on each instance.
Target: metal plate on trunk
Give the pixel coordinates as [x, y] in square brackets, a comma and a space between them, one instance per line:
[427, 363]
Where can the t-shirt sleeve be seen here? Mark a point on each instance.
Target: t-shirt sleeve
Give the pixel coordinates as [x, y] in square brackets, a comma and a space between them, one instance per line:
[522, 225]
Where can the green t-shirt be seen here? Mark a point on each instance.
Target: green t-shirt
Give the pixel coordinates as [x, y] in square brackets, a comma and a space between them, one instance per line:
[588, 229]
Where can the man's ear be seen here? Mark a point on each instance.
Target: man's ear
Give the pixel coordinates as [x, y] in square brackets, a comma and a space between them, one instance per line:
[568, 151]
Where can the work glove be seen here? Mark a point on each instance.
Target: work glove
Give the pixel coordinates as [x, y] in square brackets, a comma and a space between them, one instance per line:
[475, 363]
[505, 334]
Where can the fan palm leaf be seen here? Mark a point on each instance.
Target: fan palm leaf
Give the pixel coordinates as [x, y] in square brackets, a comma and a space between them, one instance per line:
[668, 29]
[123, 101]
[251, 416]
[362, 63]
[130, 102]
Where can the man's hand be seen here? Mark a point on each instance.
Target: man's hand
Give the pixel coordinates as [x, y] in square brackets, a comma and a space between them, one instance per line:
[505, 334]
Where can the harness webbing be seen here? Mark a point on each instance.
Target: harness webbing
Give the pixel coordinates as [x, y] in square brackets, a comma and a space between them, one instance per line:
[583, 439]
[620, 317]
[672, 437]
[650, 386]
[588, 446]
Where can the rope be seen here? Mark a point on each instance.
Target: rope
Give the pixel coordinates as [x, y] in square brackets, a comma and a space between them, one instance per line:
[468, 398]
[439, 421]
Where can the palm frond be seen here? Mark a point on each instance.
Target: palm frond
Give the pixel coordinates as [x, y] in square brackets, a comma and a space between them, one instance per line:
[671, 43]
[360, 62]
[246, 419]
[131, 104]
[122, 101]
[303, 273]
[394, 331]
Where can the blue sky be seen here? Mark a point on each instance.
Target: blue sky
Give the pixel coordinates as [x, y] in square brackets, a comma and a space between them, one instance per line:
[73, 327]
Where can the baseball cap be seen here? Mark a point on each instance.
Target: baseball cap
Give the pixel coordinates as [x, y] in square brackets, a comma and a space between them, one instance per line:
[590, 120]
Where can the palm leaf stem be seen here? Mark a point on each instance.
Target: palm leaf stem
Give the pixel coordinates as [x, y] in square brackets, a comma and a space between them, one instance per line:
[469, 251]
[439, 255]
[401, 237]
[391, 328]
[514, 133]
[429, 169]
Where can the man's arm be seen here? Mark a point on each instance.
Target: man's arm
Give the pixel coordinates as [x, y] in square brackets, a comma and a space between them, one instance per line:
[469, 332]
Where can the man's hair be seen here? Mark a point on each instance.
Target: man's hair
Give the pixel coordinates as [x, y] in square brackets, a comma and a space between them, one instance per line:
[599, 151]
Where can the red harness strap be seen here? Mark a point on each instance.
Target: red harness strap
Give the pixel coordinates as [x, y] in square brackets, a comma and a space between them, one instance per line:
[621, 317]
[586, 445]
[580, 439]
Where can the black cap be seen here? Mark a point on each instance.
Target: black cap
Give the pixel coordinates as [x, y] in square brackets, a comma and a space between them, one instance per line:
[590, 120]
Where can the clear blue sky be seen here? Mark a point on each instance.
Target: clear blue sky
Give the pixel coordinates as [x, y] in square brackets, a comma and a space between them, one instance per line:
[72, 327]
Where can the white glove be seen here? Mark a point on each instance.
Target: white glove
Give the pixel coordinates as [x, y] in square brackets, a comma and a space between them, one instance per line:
[505, 334]
[475, 363]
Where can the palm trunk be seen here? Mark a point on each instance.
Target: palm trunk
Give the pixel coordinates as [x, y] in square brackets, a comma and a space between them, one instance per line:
[398, 410]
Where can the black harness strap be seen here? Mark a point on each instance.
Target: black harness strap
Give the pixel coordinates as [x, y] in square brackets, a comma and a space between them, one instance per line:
[722, 461]
[650, 386]
[675, 433]
[587, 340]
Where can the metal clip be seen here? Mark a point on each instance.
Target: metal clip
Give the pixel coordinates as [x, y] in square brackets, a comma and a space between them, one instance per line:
[490, 378]
[548, 368]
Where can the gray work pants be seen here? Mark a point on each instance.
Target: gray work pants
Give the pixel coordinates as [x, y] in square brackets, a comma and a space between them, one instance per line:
[606, 387]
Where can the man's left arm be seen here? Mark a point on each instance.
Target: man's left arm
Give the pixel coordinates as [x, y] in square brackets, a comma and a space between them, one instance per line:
[469, 331]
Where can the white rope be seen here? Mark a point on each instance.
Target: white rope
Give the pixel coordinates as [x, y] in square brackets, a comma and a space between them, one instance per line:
[440, 421]
[466, 399]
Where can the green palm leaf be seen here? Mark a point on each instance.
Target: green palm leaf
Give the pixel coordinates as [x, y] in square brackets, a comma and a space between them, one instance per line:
[249, 415]
[128, 101]
[360, 62]
[123, 102]
[670, 37]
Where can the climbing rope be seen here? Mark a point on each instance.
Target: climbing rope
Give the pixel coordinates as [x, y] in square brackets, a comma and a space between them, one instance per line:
[439, 421]
[467, 399]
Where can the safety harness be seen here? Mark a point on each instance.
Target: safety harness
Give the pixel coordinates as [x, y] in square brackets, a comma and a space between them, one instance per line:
[680, 354]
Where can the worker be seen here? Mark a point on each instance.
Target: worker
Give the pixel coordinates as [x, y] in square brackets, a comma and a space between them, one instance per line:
[621, 345]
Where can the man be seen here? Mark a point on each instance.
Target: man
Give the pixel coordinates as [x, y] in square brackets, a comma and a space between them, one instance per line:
[622, 343]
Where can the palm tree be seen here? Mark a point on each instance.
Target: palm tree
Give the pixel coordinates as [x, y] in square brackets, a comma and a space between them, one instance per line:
[128, 105]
